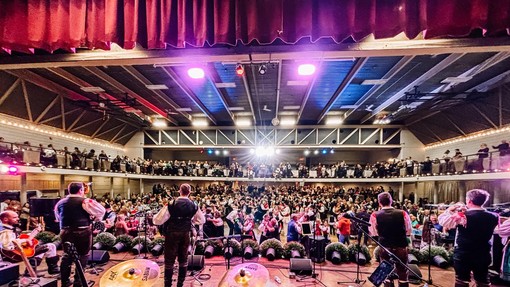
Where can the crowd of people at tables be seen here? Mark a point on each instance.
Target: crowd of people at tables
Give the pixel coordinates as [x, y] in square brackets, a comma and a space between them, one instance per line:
[258, 212]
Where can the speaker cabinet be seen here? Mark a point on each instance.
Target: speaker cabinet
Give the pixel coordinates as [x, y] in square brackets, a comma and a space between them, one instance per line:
[8, 272]
[42, 206]
[301, 266]
[99, 256]
[195, 262]
[416, 270]
[318, 249]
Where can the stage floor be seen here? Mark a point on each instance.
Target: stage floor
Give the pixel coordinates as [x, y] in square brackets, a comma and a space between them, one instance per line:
[328, 273]
[215, 268]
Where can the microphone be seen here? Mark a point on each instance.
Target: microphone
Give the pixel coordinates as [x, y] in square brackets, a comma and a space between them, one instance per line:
[350, 215]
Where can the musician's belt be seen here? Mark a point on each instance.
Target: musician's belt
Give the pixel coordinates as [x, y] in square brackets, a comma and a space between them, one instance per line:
[76, 227]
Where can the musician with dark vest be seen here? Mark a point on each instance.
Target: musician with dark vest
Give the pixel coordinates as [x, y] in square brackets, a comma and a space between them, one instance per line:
[475, 227]
[393, 226]
[181, 214]
[74, 213]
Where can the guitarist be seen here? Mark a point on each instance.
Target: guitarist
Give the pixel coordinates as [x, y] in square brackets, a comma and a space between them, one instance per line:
[9, 219]
[74, 213]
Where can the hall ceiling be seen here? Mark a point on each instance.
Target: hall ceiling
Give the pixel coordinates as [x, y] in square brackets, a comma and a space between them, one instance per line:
[437, 94]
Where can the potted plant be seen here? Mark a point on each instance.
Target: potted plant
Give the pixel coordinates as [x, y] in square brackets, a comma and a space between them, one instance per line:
[294, 250]
[271, 248]
[337, 252]
[232, 248]
[103, 241]
[212, 247]
[122, 242]
[361, 257]
[250, 248]
[414, 256]
[157, 246]
[438, 255]
[45, 237]
[140, 243]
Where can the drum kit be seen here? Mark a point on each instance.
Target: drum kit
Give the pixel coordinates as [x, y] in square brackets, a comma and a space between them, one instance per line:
[145, 273]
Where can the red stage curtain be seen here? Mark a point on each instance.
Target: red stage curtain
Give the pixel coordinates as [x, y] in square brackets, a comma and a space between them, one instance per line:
[154, 24]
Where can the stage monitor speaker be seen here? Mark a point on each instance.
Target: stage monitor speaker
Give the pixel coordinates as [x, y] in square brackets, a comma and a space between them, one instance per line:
[301, 266]
[412, 277]
[8, 272]
[99, 256]
[42, 206]
[195, 262]
[318, 249]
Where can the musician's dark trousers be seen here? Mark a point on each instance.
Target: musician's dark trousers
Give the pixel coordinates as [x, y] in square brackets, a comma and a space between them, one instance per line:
[401, 253]
[231, 227]
[82, 240]
[466, 261]
[176, 245]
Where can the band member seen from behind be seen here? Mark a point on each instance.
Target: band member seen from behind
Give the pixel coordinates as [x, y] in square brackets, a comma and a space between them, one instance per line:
[74, 214]
[181, 214]
[9, 221]
[475, 227]
[393, 226]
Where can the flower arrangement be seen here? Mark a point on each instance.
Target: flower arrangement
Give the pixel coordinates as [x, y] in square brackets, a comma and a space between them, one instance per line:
[362, 258]
[337, 252]
[45, 237]
[290, 246]
[104, 240]
[275, 244]
[122, 243]
[438, 255]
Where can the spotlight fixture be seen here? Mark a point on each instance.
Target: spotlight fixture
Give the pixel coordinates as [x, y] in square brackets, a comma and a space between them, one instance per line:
[316, 151]
[263, 69]
[306, 70]
[324, 151]
[239, 70]
[196, 73]
[306, 152]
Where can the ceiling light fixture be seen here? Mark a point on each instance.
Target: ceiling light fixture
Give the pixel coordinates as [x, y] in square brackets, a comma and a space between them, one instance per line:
[243, 123]
[159, 123]
[196, 73]
[306, 69]
[200, 123]
[332, 121]
[263, 69]
[288, 122]
[239, 70]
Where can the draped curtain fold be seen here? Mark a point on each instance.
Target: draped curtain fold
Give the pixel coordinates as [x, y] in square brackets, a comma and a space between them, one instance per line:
[155, 24]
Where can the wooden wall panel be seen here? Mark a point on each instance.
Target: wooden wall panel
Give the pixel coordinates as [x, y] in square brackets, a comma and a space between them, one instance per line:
[10, 182]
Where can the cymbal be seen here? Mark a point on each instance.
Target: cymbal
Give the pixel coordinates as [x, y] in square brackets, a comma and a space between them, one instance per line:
[131, 273]
[246, 275]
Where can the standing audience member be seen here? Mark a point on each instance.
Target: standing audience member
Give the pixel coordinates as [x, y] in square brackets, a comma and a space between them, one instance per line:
[393, 226]
[74, 212]
[475, 227]
[343, 227]
[182, 214]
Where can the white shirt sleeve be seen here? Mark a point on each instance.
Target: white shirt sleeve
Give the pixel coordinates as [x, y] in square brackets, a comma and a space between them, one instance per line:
[198, 218]
[93, 208]
[162, 216]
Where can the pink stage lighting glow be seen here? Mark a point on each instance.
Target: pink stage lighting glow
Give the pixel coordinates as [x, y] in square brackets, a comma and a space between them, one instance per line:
[13, 169]
[196, 73]
[306, 69]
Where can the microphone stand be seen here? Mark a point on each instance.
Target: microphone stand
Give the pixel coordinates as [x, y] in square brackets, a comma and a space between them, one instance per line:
[314, 249]
[358, 281]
